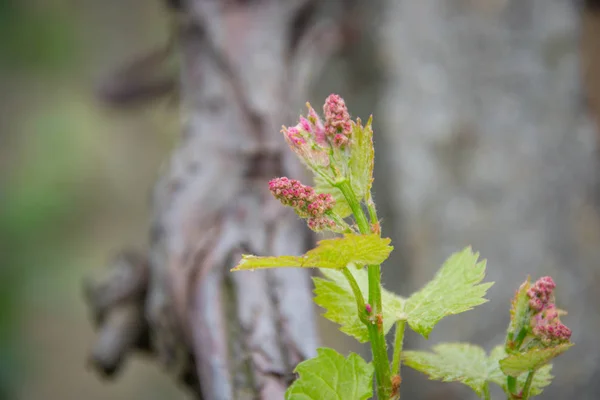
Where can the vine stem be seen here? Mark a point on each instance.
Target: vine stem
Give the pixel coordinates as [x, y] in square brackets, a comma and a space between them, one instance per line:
[398, 343]
[371, 207]
[511, 384]
[511, 381]
[360, 300]
[375, 328]
[486, 392]
[527, 385]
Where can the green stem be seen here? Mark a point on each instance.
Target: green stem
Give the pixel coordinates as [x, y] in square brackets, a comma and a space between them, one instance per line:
[359, 215]
[371, 208]
[486, 392]
[527, 385]
[376, 335]
[360, 300]
[511, 384]
[374, 273]
[520, 338]
[341, 222]
[398, 343]
[380, 361]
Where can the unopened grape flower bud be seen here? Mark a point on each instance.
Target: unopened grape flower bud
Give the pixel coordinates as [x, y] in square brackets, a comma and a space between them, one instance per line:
[540, 293]
[317, 125]
[306, 139]
[545, 322]
[294, 137]
[551, 331]
[305, 201]
[338, 126]
[322, 223]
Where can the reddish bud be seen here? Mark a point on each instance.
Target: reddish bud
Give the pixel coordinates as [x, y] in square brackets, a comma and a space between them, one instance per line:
[337, 120]
[340, 140]
[396, 381]
[545, 322]
[379, 321]
[540, 293]
[318, 128]
[305, 124]
[303, 140]
[319, 224]
[305, 201]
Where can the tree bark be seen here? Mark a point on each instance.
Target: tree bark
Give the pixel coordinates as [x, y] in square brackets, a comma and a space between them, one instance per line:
[492, 148]
[244, 67]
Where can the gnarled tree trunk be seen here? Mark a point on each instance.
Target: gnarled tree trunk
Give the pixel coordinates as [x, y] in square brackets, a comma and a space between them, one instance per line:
[245, 66]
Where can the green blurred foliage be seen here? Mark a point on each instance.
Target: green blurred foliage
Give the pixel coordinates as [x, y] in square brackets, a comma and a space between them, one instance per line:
[30, 38]
[36, 209]
[36, 34]
[74, 182]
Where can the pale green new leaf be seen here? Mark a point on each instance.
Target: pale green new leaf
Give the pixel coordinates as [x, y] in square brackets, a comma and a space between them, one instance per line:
[516, 364]
[520, 313]
[362, 158]
[455, 288]
[330, 376]
[330, 253]
[454, 362]
[468, 364]
[341, 206]
[336, 297]
[541, 379]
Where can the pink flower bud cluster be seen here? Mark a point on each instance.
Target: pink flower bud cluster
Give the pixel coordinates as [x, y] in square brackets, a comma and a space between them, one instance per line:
[338, 127]
[294, 136]
[312, 138]
[545, 321]
[540, 294]
[307, 139]
[548, 328]
[316, 125]
[305, 201]
[319, 224]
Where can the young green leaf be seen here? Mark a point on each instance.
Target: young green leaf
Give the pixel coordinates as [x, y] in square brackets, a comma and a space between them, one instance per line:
[516, 364]
[341, 206]
[468, 364]
[455, 288]
[454, 362]
[336, 297]
[520, 314]
[362, 158]
[330, 253]
[330, 376]
[541, 379]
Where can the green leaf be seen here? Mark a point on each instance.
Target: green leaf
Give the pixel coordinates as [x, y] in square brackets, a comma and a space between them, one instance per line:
[336, 297]
[330, 376]
[341, 207]
[520, 314]
[468, 364]
[453, 290]
[454, 362]
[541, 379]
[330, 253]
[362, 158]
[516, 364]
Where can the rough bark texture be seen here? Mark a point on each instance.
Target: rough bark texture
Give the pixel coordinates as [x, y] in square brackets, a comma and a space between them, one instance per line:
[245, 66]
[491, 147]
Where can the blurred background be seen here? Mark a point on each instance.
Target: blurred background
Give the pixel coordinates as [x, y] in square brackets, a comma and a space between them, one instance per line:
[485, 132]
[75, 182]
